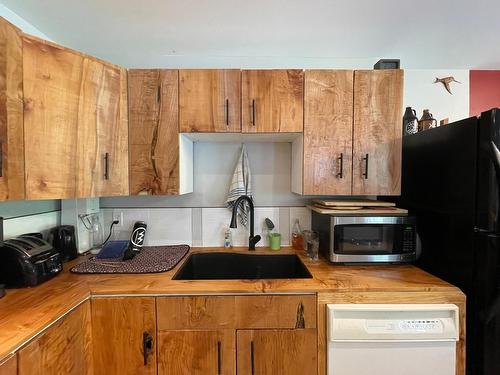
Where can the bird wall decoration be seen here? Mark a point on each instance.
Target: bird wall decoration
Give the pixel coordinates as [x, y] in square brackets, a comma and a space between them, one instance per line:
[446, 82]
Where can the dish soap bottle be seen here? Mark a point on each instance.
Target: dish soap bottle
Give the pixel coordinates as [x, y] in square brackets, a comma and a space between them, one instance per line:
[297, 237]
[227, 238]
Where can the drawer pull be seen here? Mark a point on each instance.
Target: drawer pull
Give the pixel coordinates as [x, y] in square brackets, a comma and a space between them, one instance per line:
[253, 112]
[106, 166]
[219, 358]
[341, 165]
[365, 173]
[252, 363]
[227, 112]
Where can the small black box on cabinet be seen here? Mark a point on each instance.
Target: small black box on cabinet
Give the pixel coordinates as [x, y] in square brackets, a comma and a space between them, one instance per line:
[387, 64]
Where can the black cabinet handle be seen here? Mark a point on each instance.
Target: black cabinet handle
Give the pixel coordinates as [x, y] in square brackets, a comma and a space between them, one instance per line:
[365, 174]
[1, 159]
[147, 346]
[253, 112]
[158, 94]
[252, 362]
[219, 358]
[340, 159]
[106, 166]
[227, 112]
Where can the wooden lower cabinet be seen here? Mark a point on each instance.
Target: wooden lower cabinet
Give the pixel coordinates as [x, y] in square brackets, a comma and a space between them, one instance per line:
[196, 352]
[9, 366]
[277, 351]
[121, 330]
[65, 348]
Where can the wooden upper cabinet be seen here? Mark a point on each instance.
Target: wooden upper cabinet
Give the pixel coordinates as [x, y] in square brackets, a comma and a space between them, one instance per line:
[124, 335]
[272, 101]
[65, 348]
[102, 151]
[52, 83]
[328, 125]
[210, 100]
[11, 113]
[75, 124]
[275, 352]
[154, 132]
[378, 105]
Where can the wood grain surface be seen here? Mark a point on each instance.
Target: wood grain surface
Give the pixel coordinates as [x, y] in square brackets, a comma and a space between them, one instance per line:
[9, 366]
[65, 348]
[11, 113]
[328, 125]
[272, 101]
[276, 352]
[52, 82]
[153, 132]
[210, 100]
[196, 352]
[102, 131]
[51, 300]
[118, 325]
[378, 106]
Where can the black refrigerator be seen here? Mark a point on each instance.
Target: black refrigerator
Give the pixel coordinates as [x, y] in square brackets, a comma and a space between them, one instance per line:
[450, 181]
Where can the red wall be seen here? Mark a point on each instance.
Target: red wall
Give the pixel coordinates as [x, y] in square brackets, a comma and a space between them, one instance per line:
[484, 90]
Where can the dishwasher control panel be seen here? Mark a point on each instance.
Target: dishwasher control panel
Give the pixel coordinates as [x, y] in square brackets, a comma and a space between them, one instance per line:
[405, 322]
[403, 326]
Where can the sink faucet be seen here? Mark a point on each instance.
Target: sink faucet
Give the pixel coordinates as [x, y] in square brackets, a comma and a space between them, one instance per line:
[252, 240]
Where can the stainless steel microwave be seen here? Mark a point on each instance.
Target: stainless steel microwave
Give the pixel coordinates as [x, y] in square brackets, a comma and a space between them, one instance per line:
[367, 239]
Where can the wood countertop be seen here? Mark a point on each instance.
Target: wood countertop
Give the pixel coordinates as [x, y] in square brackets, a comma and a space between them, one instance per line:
[25, 313]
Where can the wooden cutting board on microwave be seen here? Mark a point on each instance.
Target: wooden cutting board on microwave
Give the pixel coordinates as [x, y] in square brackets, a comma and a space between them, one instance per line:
[353, 203]
[361, 211]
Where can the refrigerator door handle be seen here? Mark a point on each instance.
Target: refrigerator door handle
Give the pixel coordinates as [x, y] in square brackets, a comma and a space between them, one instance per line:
[495, 158]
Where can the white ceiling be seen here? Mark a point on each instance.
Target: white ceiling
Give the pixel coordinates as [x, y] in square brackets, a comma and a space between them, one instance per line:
[273, 33]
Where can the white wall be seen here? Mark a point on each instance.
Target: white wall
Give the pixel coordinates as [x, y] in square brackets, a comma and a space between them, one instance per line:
[422, 93]
[20, 22]
[214, 165]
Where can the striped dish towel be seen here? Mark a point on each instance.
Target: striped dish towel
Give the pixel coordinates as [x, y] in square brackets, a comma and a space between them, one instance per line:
[241, 184]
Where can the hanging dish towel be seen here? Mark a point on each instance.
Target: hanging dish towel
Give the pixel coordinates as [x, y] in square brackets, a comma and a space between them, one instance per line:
[241, 184]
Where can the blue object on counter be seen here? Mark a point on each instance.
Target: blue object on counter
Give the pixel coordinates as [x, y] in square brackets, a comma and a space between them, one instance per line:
[113, 250]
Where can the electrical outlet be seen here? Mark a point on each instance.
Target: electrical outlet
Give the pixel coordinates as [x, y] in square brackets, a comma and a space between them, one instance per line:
[118, 216]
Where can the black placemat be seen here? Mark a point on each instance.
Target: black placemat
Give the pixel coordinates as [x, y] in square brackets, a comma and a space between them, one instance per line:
[151, 259]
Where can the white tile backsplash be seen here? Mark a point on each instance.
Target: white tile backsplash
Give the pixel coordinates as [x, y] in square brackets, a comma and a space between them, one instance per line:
[203, 226]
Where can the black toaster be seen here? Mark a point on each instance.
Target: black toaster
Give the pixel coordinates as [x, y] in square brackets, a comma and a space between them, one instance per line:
[28, 261]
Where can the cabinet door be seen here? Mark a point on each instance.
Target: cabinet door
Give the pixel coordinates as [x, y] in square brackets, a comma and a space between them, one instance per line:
[9, 366]
[153, 132]
[196, 352]
[11, 113]
[63, 349]
[52, 83]
[210, 100]
[102, 152]
[272, 101]
[269, 352]
[328, 107]
[378, 105]
[124, 335]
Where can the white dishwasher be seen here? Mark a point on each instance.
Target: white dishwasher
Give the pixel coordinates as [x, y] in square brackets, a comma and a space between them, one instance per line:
[395, 339]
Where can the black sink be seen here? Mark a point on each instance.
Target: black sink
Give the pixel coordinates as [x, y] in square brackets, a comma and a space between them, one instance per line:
[230, 266]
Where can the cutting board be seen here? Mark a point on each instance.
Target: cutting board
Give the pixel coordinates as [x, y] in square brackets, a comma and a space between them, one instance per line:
[362, 211]
[353, 203]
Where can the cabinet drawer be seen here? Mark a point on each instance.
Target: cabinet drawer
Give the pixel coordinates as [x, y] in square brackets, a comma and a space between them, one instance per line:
[236, 312]
[293, 311]
[195, 312]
